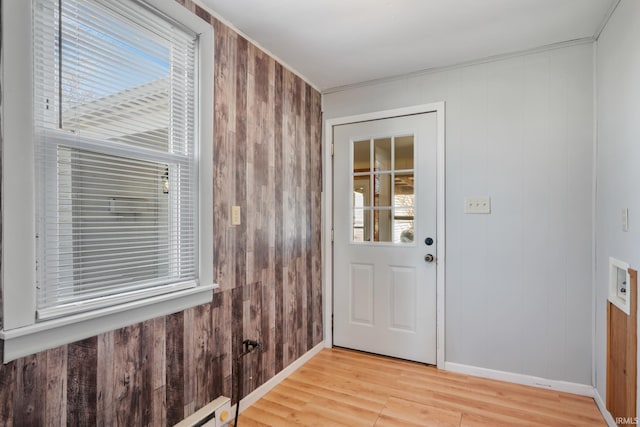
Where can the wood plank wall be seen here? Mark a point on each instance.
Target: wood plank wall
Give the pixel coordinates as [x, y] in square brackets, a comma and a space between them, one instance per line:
[267, 152]
[622, 360]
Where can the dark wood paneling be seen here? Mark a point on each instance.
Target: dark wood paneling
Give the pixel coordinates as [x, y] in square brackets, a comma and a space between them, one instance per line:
[8, 382]
[223, 132]
[157, 365]
[220, 351]
[145, 357]
[315, 217]
[188, 372]
[56, 393]
[175, 368]
[237, 304]
[29, 399]
[104, 379]
[202, 13]
[267, 161]
[308, 231]
[290, 226]
[127, 379]
[278, 207]
[241, 146]
[254, 365]
[203, 356]
[81, 383]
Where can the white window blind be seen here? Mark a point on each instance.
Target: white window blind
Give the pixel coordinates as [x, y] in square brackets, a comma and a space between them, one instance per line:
[116, 175]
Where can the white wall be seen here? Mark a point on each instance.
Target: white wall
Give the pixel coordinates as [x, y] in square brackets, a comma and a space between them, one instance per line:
[618, 166]
[519, 281]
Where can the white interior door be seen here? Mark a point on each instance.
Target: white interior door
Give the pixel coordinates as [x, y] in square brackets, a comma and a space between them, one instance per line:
[384, 229]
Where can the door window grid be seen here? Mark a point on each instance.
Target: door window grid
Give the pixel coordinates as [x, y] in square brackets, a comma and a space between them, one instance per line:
[383, 196]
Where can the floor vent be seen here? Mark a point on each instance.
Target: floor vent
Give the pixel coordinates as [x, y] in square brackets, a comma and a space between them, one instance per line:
[217, 413]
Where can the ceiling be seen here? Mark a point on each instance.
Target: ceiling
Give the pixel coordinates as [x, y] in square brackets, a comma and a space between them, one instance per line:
[334, 43]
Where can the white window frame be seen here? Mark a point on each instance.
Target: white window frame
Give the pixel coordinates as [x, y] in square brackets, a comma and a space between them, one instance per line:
[21, 334]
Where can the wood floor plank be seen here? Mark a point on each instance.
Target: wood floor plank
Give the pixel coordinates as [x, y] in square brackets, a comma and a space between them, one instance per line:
[398, 412]
[497, 420]
[258, 414]
[495, 396]
[276, 396]
[343, 384]
[250, 422]
[341, 387]
[275, 408]
[291, 389]
[320, 390]
[316, 414]
[472, 405]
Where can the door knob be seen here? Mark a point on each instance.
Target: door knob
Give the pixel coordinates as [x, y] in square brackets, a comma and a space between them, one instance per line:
[429, 258]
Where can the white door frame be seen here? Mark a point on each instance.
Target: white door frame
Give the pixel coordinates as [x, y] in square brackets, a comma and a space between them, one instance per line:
[327, 253]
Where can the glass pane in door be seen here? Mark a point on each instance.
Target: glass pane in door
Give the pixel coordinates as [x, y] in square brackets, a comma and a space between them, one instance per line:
[361, 225]
[383, 199]
[403, 152]
[403, 225]
[362, 156]
[382, 154]
[404, 189]
[361, 191]
[382, 226]
[382, 186]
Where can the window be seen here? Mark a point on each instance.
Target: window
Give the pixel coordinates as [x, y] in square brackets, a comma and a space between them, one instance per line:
[115, 159]
[120, 182]
[377, 163]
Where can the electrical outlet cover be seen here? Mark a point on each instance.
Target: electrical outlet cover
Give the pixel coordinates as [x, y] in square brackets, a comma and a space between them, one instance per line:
[235, 215]
[477, 205]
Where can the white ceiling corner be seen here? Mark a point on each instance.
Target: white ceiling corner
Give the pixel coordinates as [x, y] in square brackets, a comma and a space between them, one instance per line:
[335, 43]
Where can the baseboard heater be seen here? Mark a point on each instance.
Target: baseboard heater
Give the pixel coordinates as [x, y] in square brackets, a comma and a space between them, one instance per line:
[217, 413]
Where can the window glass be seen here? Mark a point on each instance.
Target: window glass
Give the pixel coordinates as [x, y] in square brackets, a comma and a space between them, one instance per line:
[361, 191]
[403, 152]
[114, 108]
[403, 225]
[361, 225]
[382, 226]
[382, 196]
[362, 156]
[382, 154]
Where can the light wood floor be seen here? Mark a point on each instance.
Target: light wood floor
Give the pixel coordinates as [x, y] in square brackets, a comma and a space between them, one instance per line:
[348, 388]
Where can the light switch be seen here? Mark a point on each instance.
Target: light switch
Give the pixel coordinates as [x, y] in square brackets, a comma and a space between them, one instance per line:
[477, 205]
[235, 215]
[625, 219]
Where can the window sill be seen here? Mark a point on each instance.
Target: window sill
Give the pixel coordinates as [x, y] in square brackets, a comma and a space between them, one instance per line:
[31, 339]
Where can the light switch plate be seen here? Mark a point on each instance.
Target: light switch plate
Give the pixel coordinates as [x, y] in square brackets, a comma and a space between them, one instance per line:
[625, 219]
[235, 215]
[477, 205]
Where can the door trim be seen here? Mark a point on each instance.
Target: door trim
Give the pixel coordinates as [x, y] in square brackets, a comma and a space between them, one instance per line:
[327, 252]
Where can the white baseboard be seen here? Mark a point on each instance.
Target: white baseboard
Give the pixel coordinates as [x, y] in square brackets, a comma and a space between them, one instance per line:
[568, 387]
[258, 393]
[603, 409]
[565, 386]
